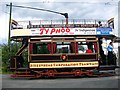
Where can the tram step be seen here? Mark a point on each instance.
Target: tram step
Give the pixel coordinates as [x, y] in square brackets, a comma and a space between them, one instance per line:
[108, 67]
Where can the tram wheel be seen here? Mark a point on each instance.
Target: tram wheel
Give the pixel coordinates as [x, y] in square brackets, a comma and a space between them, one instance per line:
[77, 73]
[38, 75]
[51, 73]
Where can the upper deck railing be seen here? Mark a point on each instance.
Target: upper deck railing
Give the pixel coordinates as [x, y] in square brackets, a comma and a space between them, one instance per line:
[73, 23]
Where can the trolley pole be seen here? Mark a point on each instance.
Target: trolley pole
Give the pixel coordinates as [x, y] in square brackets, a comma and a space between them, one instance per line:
[64, 14]
[9, 27]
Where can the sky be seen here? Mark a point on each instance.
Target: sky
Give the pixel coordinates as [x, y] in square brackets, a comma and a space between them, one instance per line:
[77, 9]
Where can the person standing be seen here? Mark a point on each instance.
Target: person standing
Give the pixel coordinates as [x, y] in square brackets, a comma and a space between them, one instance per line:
[110, 53]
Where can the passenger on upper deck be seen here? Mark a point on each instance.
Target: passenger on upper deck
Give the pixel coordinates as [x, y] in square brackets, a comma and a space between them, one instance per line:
[100, 25]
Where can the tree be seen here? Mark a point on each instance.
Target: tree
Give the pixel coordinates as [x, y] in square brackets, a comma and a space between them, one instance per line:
[5, 57]
[6, 54]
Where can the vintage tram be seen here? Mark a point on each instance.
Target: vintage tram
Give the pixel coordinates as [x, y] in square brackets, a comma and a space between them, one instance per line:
[56, 49]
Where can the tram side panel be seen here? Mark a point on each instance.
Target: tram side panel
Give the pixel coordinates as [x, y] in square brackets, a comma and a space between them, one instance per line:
[62, 55]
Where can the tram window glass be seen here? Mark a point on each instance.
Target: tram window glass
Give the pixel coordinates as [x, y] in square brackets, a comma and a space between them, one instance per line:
[40, 48]
[63, 47]
[83, 46]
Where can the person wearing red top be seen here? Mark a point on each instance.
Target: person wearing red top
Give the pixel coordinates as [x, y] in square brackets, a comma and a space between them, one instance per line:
[89, 51]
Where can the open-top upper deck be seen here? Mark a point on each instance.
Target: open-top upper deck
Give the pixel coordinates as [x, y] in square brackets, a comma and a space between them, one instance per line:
[59, 27]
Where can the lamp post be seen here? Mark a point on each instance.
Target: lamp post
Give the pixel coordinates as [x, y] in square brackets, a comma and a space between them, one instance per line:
[9, 27]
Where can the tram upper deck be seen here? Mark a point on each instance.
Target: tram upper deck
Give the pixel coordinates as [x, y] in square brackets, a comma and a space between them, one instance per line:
[37, 28]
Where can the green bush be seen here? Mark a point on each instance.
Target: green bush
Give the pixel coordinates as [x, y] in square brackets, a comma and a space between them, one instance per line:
[5, 57]
[6, 54]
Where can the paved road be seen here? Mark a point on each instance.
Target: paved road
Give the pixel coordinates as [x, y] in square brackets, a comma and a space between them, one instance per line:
[96, 82]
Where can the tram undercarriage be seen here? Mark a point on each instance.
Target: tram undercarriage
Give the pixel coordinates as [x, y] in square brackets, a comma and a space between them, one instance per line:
[54, 73]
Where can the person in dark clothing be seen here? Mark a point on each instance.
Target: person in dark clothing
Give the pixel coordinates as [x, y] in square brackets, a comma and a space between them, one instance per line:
[110, 53]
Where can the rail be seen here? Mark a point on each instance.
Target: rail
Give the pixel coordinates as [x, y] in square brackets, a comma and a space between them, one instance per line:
[83, 23]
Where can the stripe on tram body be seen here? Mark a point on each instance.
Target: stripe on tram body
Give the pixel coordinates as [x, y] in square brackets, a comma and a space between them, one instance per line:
[64, 64]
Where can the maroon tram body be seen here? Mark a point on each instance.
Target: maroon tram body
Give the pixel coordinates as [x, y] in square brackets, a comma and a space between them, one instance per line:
[58, 50]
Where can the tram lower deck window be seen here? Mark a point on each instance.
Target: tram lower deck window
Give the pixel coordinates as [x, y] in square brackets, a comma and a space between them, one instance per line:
[40, 48]
[63, 47]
